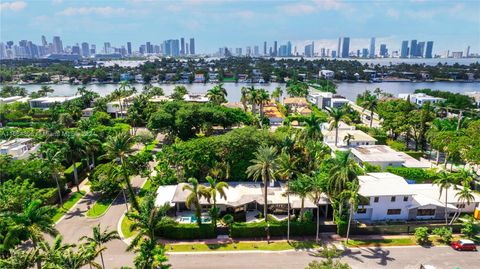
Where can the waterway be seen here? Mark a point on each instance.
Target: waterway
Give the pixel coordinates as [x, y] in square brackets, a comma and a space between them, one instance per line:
[349, 90]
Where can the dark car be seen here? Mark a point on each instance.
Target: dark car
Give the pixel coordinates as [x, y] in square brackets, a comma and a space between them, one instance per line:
[464, 244]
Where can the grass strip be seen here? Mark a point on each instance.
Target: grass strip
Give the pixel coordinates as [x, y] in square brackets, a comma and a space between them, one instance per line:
[100, 207]
[406, 241]
[72, 200]
[274, 246]
[126, 222]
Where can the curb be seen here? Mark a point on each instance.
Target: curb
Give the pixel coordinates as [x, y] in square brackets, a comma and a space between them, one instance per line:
[74, 205]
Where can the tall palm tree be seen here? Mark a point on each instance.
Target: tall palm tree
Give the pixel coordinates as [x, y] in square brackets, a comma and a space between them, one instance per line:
[312, 130]
[264, 166]
[118, 148]
[301, 187]
[336, 116]
[253, 96]
[344, 170]
[53, 160]
[263, 98]
[286, 171]
[20, 259]
[99, 238]
[445, 182]
[277, 93]
[92, 145]
[215, 188]
[464, 196]
[75, 150]
[50, 252]
[370, 103]
[71, 259]
[244, 98]
[45, 90]
[351, 193]
[348, 138]
[151, 255]
[217, 94]
[317, 188]
[197, 191]
[35, 221]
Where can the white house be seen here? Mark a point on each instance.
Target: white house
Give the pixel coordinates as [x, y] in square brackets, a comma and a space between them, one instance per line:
[119, 108]
[385, 156]
[390, 197]
[13, 99]
[420, 98]
[195, 97]
[327, 74]
[325, 100]
[19, 148]
[48, 101]
[348, 136]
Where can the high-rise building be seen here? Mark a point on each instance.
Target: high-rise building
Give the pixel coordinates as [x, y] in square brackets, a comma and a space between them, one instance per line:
[383, 50]
[322, 52]
[76, 49]
[57, 45]
[192, 46]
[106, 47]
[289, 49]
[413, 48]
[148, 48]
[429, 49]
[182, 46]
[334, 54]
[372, 48]
[404, 50]
[93, 49]
[345, 47]
[264, 48]
[238, 51]
[85, 49]
[339, 48]
[365, 53]
[129, 48]
[467, 54]
[275, 52]
[309, 50]
[256, 51]
[420, 49]
[282, 51]
[44, 41]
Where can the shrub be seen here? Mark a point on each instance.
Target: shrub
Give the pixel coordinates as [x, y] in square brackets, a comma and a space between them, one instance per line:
[444, 233]
[187, 231]
[369, 168]
[70, 177]
[307, 216]
[421, 235]
[469, 229]
[417, 174]
[415, 154]
[227, 219]
[258, 229]
[397, 145]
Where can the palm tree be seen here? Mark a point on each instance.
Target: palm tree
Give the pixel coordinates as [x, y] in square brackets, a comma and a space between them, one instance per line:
[464, 196]
[151, 255]
[75, 150]
[217, 94]
[35, 221]
[118, 148]
[263, 98]
[214, 189]
[92, 145]
[277, 93]
[71, 259]
[348, 138]
[317, 185]
[312, 130]
[286, 170]
[147, 220]
[445, 182]
[197, 191]
[244, 98]
[52, 159]
[352, 195]
[51, 252]
[344, 170]
[264, 166]
[336, 116]
[20, 259]
[99, 238]
[44, 90]
[370, 103]
[254, 95]
[301, 187]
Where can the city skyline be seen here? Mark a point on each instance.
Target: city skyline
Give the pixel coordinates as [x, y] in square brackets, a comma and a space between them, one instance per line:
[301, 23]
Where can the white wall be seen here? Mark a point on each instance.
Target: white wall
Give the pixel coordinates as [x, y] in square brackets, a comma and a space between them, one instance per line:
[379, 209]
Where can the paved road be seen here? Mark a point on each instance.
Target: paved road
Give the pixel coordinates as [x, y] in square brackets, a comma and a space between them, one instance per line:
[76, 224]
[392, 257]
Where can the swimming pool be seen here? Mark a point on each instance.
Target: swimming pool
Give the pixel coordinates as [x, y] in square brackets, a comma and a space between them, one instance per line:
[193, 219]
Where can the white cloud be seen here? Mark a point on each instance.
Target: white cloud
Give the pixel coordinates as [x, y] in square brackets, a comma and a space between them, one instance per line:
[308, 7]
[104, 11]
[15, 6]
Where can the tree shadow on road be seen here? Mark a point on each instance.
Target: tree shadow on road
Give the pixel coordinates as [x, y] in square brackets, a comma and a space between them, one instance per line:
[378, 253]
[352, 254]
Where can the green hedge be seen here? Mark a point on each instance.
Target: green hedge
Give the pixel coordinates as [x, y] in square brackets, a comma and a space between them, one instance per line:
[69, 176]
[187, 231]
[415, 154]
[381, 139]
[257, 229]
[418, 174]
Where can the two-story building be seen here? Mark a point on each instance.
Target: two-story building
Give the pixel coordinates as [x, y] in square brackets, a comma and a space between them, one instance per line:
[420, 98]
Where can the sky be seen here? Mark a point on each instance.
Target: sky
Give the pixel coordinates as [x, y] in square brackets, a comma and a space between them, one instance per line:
[452, 25]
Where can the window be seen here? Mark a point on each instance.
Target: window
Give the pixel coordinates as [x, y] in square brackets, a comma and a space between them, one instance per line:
[425, 212]
[461, 206]
[393, 199]
[405, 198]
[394, 211]
[361, 211]
[375, 199]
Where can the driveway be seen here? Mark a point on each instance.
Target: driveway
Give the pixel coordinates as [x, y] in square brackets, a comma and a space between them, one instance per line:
[388, 257]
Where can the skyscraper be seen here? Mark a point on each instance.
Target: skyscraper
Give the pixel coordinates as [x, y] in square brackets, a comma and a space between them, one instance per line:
[182, 46]
[429, 49]
[129, 48]
[106, 47]
[93, 49]
[345, 47]
[44, 41]
[404, 50]
[85, 49]
[275, 51]
[148, 48]
[264, 48]
[413, 48]
[57, 45]
[289, 49]
[192, 46]
[467, 54]
[420, 49]
[256, 51]
[339, 48]
[383, 50]
[76, 50]
[309, 50]
[372, 48]
[365, 53]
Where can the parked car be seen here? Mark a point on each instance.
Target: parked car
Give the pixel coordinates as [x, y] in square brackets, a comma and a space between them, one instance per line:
[464, 244]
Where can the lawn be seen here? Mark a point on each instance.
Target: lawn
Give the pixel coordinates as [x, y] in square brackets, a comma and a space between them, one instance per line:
[406, 241]
[72, 200]
[100, 207]
[126, 222]
[274, 246]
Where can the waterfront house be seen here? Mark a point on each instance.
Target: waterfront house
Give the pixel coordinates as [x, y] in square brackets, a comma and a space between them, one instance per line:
[48, 101]
[420, 98]
[19, 148]
[325, 100]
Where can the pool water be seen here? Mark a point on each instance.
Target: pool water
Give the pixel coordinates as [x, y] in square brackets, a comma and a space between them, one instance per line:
[193, 219]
